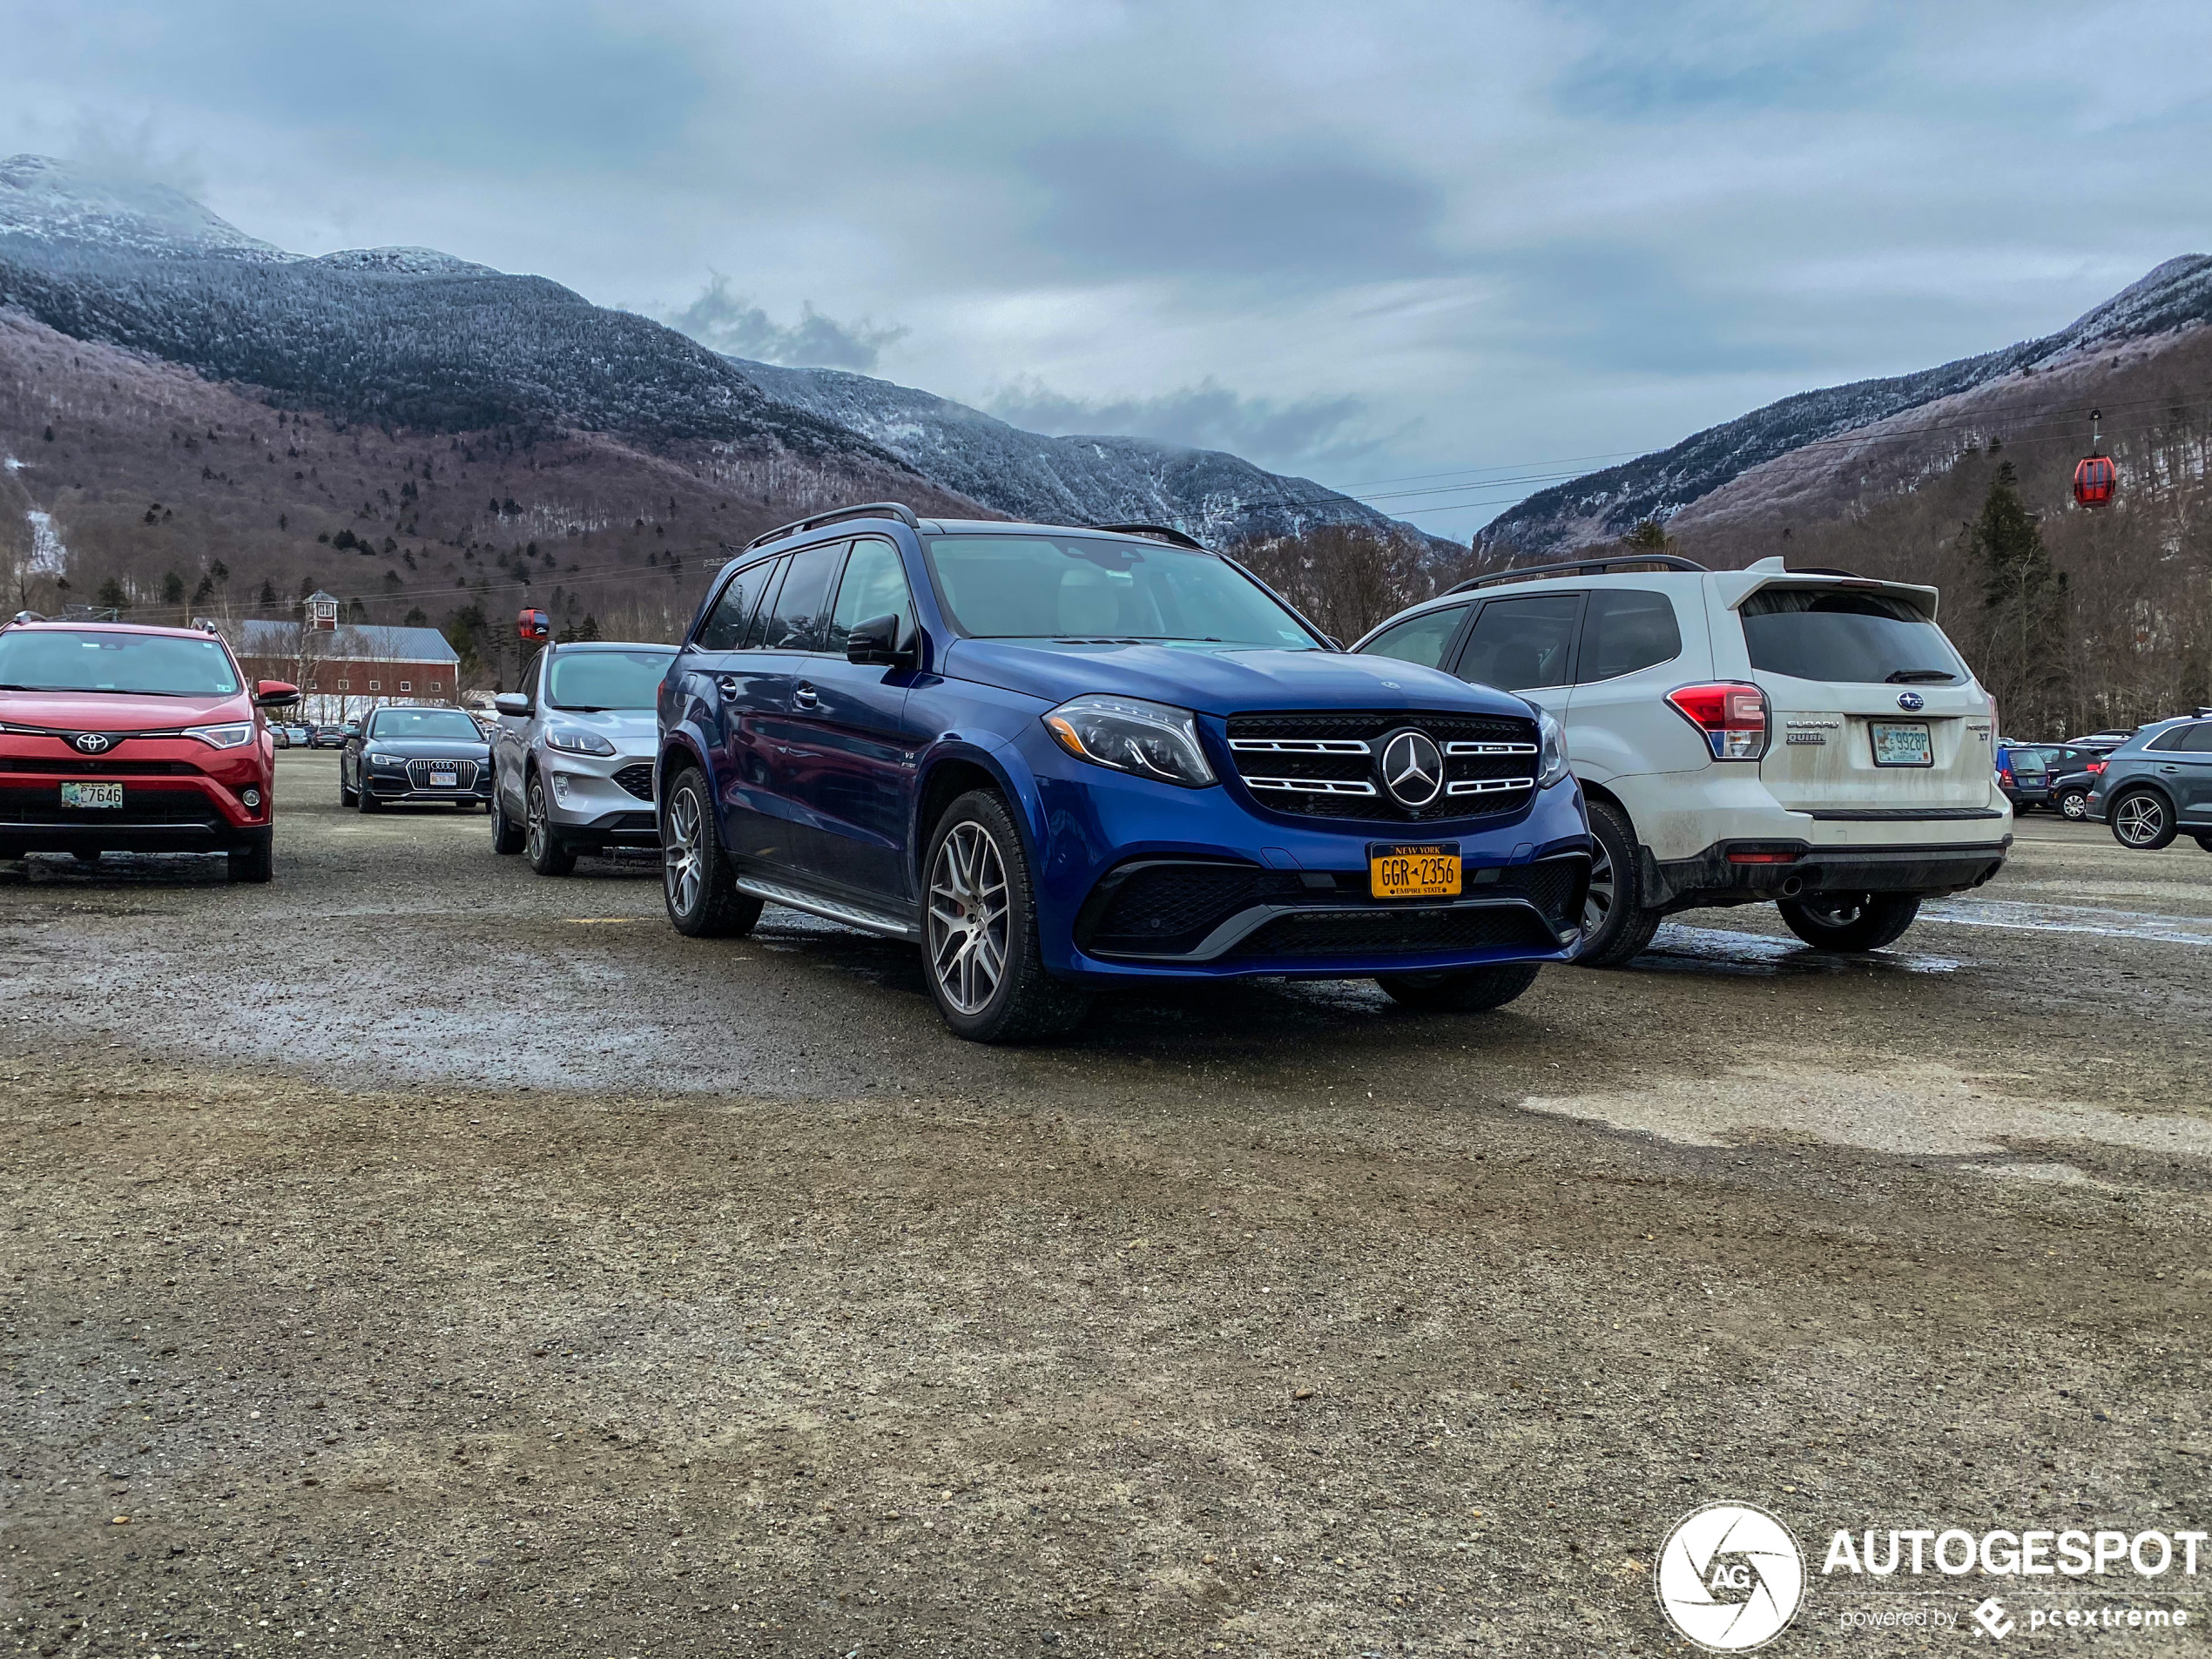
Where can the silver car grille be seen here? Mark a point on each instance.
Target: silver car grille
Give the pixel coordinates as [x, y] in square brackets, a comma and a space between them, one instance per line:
[1324, 763]
[464, 773]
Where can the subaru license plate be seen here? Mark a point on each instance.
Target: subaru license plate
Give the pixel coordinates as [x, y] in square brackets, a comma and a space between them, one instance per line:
[1430, 871]
[1902, 744]
[108, 795]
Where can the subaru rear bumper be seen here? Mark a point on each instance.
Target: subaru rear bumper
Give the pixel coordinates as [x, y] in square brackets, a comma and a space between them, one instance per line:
[1754, 872]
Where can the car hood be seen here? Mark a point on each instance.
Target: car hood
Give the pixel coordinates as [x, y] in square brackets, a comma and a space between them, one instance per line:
[430, 748]
[624, 728]
[118, 711]
[1219, 680]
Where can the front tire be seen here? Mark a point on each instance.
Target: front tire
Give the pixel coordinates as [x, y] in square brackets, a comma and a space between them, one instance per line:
[985, 968]
[2140, 820]
[345, 797]
[2074, 805]
[2205, 841]
[696, 881]
[254, 861]
[1465, 990]
[1850, 921]
[541, 845]
[1616, 924]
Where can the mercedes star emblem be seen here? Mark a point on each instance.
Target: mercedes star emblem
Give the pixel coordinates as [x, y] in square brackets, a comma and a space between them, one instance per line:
[92, 742]
[1413, 768]
[1910, 700]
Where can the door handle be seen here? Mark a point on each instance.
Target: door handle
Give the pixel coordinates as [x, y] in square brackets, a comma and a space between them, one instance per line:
[2170, 768]
[726, 684]
[805, 697]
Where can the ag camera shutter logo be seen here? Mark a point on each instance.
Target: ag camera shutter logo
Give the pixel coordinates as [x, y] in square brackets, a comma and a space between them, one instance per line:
[1731, 1577]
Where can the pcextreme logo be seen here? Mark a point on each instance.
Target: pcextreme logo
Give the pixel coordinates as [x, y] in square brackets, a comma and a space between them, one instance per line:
[1731, 1577]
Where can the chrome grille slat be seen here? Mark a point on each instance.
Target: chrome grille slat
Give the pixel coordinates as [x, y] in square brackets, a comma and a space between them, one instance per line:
[1488, 785]
[1312, 785]
[1322, 763]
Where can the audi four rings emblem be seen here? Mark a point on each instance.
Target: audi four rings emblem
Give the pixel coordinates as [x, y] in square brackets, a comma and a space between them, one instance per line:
[1413, 768]
[1910, 700]
[92, 742]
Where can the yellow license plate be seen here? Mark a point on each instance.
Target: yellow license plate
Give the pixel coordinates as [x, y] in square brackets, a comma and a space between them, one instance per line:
[1430, 872]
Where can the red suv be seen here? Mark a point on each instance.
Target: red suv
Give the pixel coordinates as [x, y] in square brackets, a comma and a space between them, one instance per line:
[115, 737]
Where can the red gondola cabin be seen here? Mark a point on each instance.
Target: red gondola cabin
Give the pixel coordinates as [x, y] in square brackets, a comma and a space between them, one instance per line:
[2094, 480]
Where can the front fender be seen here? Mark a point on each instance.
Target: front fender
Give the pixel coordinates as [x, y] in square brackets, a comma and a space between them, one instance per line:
[1008, 767]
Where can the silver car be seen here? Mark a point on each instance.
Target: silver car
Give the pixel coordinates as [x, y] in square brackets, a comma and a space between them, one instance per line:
[573, 758]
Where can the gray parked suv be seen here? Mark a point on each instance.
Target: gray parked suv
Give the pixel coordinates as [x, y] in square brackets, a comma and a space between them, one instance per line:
[573, 759]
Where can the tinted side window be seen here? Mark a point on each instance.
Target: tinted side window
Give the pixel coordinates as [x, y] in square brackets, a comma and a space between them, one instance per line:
[802, 603]
[2196, 740]
[1422, 639]
[874, 585]
[1518, 644]
[756, 629]
[724, 625]
[2167, 741]
[1627, 630]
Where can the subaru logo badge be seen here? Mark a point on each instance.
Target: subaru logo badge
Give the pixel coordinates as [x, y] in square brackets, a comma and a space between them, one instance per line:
[1910, 701]
[1413, 768]
[92, 742]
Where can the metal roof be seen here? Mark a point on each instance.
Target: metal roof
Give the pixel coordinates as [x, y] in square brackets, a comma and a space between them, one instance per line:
[349, 643]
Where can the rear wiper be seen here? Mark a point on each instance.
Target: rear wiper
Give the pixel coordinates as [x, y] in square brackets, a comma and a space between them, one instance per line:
[1918, 677]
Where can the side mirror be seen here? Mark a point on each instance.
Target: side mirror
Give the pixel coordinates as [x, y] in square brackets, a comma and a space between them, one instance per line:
[875, 643]
[511, 703]
[275, 694]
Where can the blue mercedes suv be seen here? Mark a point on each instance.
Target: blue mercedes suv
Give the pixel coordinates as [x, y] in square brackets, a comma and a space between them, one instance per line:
[1060, 759]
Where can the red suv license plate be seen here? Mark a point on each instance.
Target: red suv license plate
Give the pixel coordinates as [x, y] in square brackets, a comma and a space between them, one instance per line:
[107, 795]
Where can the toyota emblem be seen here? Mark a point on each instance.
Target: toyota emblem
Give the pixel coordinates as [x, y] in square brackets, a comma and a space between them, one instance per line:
[1413, 768]
[92, 743]
[1911, 700]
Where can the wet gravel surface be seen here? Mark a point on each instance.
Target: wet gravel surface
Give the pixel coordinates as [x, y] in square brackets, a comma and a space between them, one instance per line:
[427, 1257]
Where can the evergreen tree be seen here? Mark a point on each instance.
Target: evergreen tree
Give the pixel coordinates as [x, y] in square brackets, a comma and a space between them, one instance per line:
[2025, 603]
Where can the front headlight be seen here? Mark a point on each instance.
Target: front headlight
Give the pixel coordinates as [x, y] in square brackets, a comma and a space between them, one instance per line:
[1127, 734]
[222, 737]
[388, 760]
[575, 741]
[1551, 762]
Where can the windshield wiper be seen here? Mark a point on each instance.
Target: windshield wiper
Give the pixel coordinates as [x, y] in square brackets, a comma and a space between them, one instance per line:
[1918, 677]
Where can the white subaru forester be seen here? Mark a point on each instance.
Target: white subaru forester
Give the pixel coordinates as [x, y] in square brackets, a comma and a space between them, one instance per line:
[1809, 737]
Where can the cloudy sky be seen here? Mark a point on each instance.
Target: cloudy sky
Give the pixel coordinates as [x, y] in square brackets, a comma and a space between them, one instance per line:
[1432, 254]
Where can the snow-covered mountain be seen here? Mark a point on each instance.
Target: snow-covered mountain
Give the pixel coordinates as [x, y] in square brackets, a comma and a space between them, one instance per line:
[57, 204]
[1215, 496]
[1601, 506]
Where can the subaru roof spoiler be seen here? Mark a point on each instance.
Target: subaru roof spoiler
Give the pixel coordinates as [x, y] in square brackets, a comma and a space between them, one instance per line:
[1157, 532]
[896, 509]
[1580, 567]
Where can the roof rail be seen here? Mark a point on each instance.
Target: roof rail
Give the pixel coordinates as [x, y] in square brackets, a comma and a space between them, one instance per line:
[1157, 532]
[1578, 567]
[898, 511]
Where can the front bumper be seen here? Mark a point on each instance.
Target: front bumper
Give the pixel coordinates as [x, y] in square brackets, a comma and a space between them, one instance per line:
[604, 800]
[397, 789]
[1238, 893]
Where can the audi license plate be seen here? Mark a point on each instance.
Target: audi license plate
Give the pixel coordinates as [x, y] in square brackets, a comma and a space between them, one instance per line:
[93, 795]
[1425, 871]
[1902, 745]
[444, 777]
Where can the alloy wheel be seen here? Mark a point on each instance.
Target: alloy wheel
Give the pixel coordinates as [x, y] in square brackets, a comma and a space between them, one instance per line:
[2075, 808]
[2140, 821]
[969, 916]
[680, 862]
[1598, 903]
[534, 822]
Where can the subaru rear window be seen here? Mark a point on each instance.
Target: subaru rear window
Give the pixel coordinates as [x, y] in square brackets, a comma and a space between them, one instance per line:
[52, 659]
[1086, 588]
[1857, 638]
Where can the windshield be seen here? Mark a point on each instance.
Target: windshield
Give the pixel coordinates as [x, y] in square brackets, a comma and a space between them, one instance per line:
[1083, 588]
[49, 659]
[393, 723]
[1858, 639]
[607, 679]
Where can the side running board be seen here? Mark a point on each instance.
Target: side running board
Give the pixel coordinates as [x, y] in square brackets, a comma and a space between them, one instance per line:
[827, 909]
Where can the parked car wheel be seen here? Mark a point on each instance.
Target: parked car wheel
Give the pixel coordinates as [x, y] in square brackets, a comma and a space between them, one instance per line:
[696, 878]
[345, 795]
[985, 968]
[256, 860]
[1851, 921]
[541, 845]
[1616, 925]
[2205, 841]
[2074, 805]
[2141, 821]
[1467, 990]
[506, 833]
[366, 797]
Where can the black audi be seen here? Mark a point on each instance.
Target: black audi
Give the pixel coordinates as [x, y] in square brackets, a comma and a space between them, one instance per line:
[403, 755]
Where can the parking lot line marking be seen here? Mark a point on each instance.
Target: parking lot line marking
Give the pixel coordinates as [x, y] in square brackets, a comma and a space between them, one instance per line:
[2038, 919]
[596, 921]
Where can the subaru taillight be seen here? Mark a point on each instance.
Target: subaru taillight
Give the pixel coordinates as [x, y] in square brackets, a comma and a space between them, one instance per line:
[1732, 716]
[2005, 776]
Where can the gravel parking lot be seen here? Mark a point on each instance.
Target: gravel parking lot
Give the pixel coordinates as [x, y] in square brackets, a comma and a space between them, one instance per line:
[426, 1257]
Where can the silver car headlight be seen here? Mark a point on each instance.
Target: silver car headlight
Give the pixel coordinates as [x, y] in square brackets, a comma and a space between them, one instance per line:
[1551, 761]
[1127, 734]
[577, 741]
[222, 737]
[378, 759]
